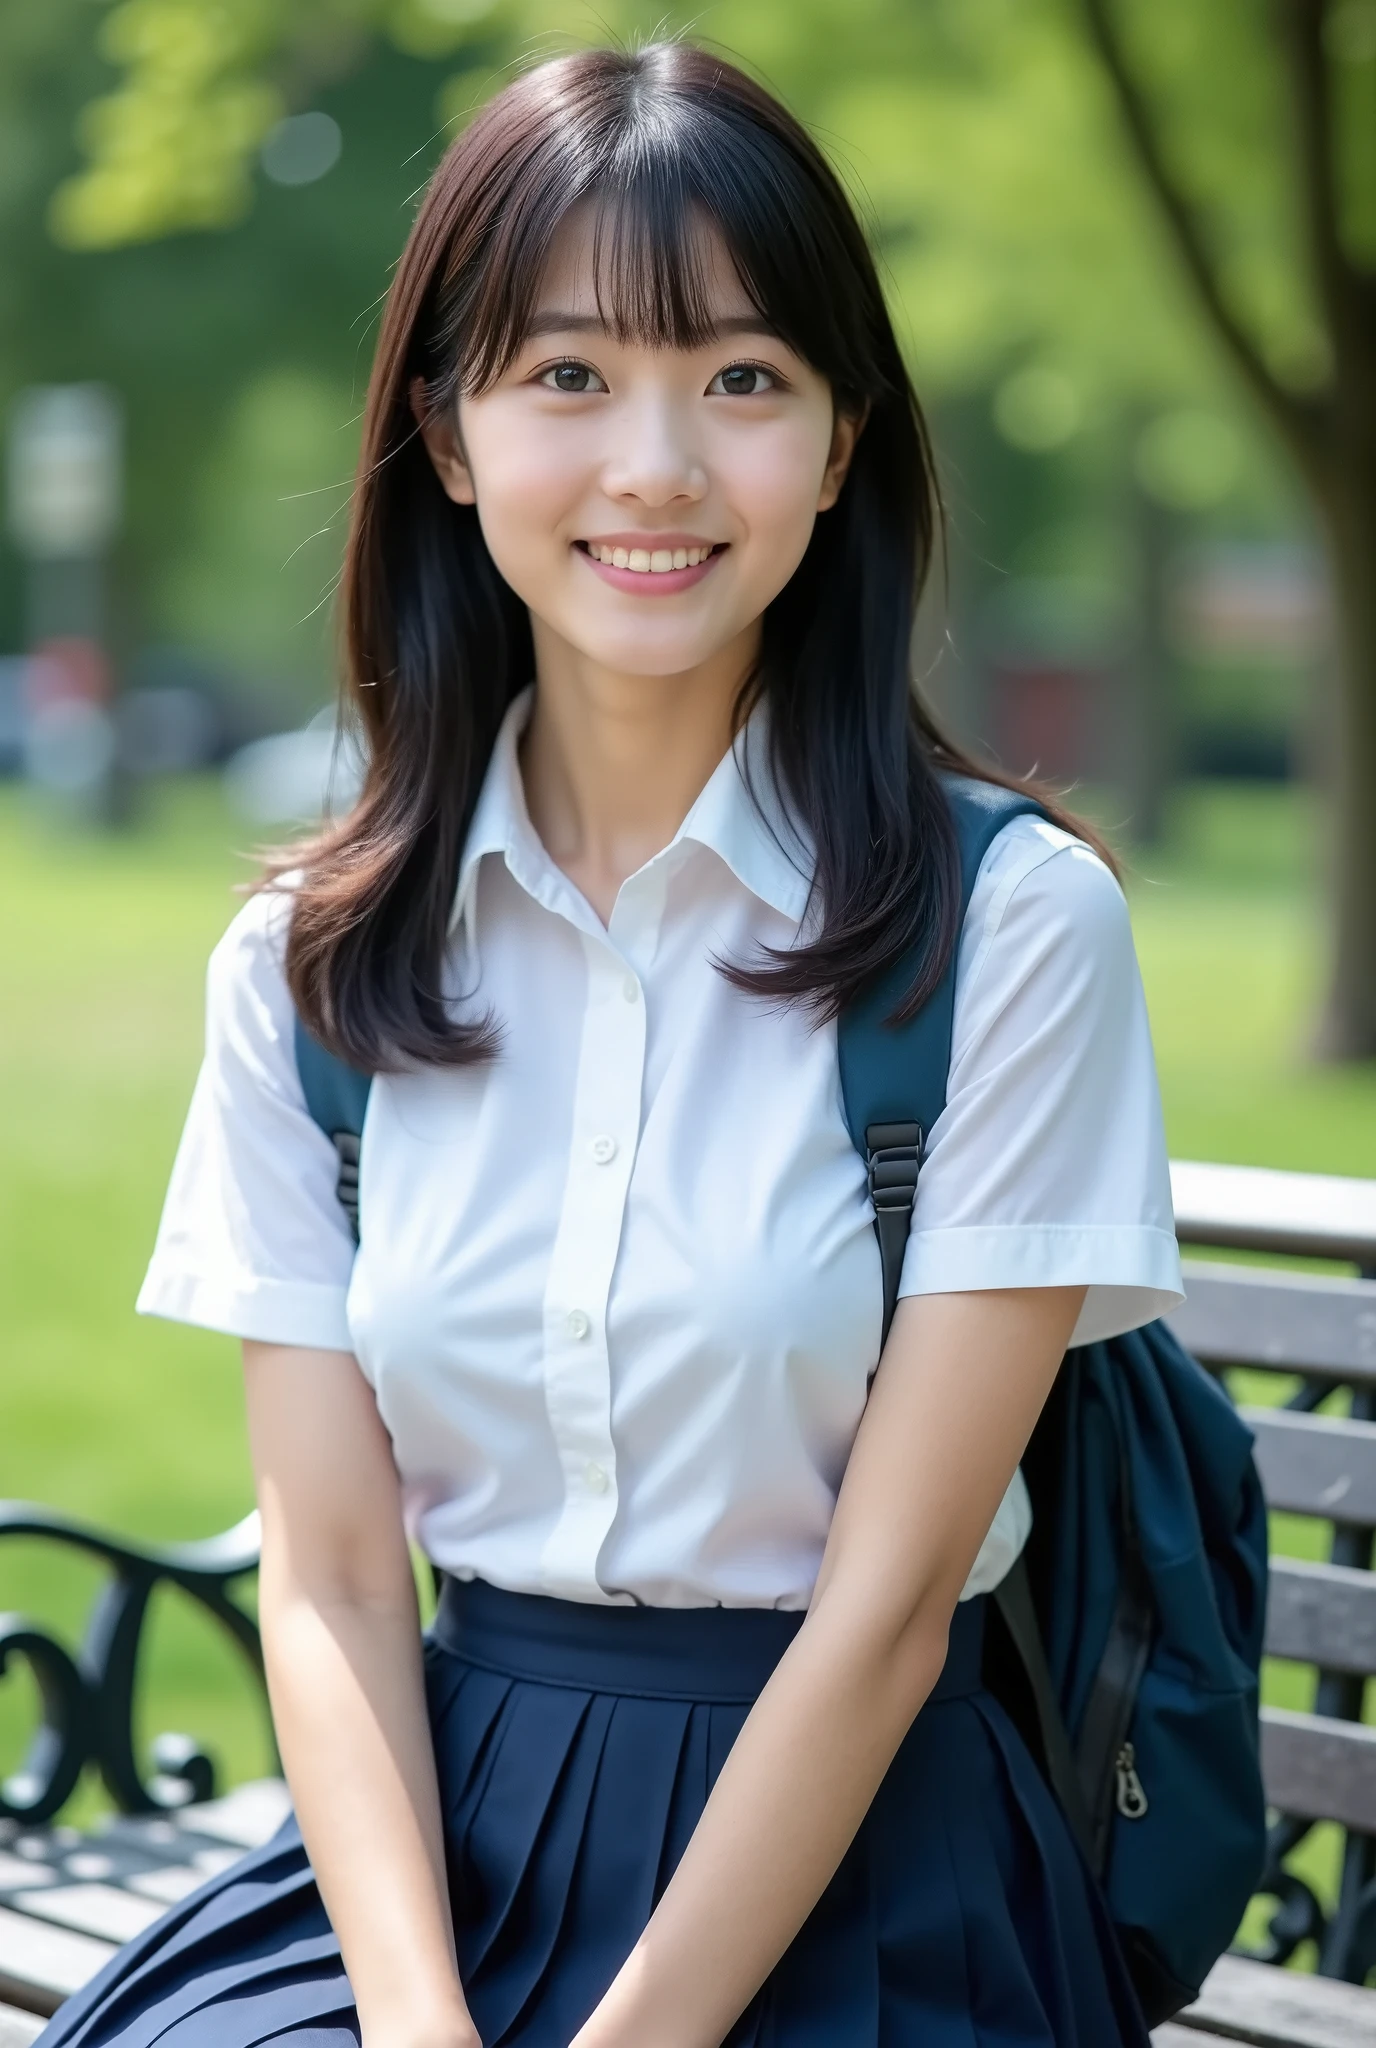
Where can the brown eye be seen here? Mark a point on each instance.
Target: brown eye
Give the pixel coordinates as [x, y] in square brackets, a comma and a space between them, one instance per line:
[572, 377]
[742, 380]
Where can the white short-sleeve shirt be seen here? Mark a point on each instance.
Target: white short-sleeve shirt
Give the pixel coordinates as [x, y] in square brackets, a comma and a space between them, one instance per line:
[618, 1290]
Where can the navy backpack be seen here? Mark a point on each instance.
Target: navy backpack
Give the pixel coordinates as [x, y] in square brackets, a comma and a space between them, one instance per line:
[1128, 1637]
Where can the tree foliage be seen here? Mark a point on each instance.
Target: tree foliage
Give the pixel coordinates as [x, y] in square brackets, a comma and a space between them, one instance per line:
[1144, 223]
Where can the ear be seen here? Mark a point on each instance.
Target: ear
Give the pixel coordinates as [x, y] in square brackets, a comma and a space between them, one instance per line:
[845, 433]
[439, 431]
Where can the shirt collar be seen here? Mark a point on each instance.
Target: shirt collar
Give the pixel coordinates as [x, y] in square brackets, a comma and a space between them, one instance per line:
[738, 815]
[741, 817]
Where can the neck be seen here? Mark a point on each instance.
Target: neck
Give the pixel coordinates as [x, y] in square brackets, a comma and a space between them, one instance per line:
[612, 763]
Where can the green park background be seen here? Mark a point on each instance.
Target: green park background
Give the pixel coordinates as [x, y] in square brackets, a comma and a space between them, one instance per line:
[1121, 337]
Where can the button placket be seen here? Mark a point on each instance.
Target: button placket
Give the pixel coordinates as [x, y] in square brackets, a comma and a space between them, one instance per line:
[577, 1366]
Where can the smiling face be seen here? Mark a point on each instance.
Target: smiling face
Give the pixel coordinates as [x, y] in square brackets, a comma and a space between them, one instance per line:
[647, 504]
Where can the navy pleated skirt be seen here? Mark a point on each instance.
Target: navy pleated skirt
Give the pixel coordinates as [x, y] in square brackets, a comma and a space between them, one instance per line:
[576, 1747]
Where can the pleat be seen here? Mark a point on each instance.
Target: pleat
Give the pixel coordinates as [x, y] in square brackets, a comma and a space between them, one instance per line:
[511, 1959]
[1053, 1915]
[532, 1741]
[689, 1795]
[466, 1744]
[342, 2032]
[724, 1724]
[445, 1678]
[245, 2013]
[1013, 1906]
[612, 1892]
[921, 1950]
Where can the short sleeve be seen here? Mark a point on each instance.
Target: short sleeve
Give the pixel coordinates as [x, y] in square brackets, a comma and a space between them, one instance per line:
[1048, 1166]
[253, 1240]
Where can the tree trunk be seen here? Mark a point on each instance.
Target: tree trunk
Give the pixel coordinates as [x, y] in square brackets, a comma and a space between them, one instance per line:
[1149, 760]
[1348, 1027]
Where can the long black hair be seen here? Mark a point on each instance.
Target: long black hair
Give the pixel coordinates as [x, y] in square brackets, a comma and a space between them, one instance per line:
[661, 140]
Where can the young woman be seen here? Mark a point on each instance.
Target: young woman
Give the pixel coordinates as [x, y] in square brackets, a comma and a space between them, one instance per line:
[697, 1750]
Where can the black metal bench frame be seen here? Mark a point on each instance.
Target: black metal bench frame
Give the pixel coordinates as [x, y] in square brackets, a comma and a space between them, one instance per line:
[88, 1699]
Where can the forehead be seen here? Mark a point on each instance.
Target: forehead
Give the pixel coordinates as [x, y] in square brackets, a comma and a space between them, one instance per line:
[584, 272]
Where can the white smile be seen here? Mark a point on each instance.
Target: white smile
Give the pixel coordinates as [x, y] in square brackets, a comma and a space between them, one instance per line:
[648, 561]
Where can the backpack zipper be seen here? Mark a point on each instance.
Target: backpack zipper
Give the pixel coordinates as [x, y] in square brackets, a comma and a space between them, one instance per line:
[1131, 1799]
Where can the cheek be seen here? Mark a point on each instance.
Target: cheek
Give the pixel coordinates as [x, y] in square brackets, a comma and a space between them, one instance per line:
[775, 481]
[527, 479]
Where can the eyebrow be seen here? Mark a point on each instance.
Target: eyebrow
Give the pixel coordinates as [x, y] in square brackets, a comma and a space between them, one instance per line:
[558, 322]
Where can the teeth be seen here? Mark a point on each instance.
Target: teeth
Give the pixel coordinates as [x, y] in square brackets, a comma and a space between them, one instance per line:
[649, 562]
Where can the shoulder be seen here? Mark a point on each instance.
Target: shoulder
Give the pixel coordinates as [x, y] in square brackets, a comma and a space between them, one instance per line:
[248, 1003]
[1042, 893]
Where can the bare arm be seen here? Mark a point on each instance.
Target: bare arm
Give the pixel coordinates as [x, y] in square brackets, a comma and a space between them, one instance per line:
[961, 1384]
[341, 1638]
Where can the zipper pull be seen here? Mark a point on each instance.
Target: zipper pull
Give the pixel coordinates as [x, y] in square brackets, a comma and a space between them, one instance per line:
[1131, 1799]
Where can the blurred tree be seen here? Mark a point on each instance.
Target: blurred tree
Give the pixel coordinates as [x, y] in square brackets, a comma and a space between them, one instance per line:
[1032, 169]
[1290, 293]
[241, 354]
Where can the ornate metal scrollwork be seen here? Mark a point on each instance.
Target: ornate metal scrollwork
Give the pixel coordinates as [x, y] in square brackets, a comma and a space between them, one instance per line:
[88, 1700]
[1299, 1915]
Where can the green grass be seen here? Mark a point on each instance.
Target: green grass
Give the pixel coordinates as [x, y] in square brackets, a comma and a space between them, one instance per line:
[130, 1423]
[138, 1424]
[1233, 944]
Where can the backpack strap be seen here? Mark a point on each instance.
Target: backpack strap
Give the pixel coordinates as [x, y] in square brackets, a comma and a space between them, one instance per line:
[337, 1098]
[893, 1077]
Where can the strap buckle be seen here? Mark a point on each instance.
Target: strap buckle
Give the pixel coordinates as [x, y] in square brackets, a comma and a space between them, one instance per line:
[347, 1145]
[893, 1158]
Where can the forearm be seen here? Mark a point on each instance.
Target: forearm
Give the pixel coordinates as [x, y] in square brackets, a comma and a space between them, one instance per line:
[348, 1704]
[786, 1806]
[341, 1641]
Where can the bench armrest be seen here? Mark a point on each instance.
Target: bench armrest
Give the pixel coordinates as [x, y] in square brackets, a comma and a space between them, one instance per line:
[88, 1699]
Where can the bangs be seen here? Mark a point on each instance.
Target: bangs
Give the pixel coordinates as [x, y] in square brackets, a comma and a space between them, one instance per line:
[671, 182]
[654, 252]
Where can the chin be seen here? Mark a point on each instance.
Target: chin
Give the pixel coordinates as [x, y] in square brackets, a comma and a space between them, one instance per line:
[640, 657]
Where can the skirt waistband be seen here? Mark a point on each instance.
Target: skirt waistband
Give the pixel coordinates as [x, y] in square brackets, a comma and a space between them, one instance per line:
[721, 1655]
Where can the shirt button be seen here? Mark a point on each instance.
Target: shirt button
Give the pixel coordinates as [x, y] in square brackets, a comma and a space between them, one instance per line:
[603, 1149]
[577, 1324]
[630, 988]
[595, 1479]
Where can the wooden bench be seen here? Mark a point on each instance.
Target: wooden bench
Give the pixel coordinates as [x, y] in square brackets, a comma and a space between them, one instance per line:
[1320, 1331]
[68, 1898]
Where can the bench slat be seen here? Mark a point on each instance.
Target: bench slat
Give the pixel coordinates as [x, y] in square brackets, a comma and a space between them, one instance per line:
[42, 1965]
[1319, 1768]
[67, 1898]
[1256, 1208]
[106, 1910]
[1172, 2035]
[1316, 1464]
[1298, 1322]
[1322, 1614]
[17, 2028]
[1274, 2008]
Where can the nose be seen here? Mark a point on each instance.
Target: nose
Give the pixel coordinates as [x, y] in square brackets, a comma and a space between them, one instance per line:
[654, 459]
